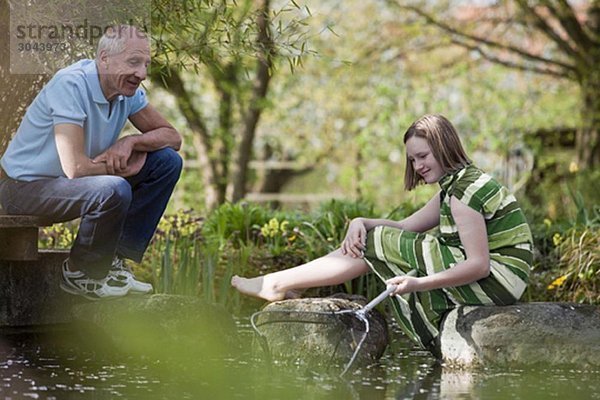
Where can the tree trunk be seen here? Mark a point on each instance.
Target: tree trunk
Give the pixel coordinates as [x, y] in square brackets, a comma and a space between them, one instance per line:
[17, 90]
[225, 80]
[588, 137]
[214, 194]
[261, 84]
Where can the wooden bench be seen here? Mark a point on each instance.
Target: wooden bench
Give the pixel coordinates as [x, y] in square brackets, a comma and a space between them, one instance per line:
[19, 237]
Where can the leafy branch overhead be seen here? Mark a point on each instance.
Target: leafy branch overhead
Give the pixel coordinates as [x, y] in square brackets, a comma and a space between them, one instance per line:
[556, 38]
[233, 45]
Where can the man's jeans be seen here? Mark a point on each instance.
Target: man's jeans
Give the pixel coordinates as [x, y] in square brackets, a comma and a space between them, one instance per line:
[118, 215]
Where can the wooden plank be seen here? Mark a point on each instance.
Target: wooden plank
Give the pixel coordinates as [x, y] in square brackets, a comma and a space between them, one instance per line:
[258, 165]
[294, 197]
[19, 236]
[22, 221]
[19, 244]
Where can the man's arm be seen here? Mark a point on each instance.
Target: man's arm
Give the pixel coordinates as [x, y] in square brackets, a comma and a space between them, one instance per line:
[74, 162]
[157, 134]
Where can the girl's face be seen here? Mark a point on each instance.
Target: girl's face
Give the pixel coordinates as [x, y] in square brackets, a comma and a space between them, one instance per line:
[422, 159]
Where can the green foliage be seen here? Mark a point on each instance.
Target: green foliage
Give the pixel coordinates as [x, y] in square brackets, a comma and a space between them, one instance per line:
[248, 240]
[58, 236]
[328, 227]
[192, 255]
[175, 254]
[234, 222]
[192, 33]
[195, 256]
[567, 258]
[578, 252]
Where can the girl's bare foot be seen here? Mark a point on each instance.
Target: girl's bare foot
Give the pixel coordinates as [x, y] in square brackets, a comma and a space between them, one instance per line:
[257, 287]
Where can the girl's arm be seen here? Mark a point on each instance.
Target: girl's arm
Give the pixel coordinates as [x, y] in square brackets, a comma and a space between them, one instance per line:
[422, 220]
[473, 236]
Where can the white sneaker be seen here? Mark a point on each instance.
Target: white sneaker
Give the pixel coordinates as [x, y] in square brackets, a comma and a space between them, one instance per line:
[78, 283]
[122, 273]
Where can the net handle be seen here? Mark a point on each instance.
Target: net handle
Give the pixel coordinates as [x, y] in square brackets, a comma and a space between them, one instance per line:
[382, 296]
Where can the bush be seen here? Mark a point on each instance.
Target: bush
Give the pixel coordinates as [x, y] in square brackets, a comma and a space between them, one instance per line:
[326, 229]
[567, 255]
[578, 267]
[235, 223]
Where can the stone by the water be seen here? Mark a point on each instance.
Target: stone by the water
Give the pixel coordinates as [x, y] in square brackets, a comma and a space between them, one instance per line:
[545, 334]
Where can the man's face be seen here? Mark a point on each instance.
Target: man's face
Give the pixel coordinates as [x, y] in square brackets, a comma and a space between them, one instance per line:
[127, 70]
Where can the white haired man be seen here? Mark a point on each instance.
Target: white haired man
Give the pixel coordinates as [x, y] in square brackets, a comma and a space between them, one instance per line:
[67, 161]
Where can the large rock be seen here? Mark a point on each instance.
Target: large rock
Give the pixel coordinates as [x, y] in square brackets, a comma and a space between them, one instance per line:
[549, 334]
[309, 331]
[159, 325]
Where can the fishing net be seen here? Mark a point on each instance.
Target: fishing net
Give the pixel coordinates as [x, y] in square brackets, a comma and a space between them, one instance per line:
[328, 332]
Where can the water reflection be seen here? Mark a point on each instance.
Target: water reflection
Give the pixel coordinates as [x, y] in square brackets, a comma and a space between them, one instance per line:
[61, 364]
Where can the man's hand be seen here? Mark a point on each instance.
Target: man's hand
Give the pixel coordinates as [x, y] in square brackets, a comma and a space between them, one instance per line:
[134, 164]
[117, 157]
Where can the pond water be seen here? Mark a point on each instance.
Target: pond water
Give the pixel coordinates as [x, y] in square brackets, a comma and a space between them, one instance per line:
[60, 365]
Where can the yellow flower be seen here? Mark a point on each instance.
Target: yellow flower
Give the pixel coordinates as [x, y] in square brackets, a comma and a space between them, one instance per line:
[548, 222]
[265, 230]
[283, 226]
[274, 224]
[557, 282]
[573, 167]
[556, 239]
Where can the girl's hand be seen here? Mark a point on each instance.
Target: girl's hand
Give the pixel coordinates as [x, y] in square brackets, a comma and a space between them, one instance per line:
[355, 242]
[404, 284]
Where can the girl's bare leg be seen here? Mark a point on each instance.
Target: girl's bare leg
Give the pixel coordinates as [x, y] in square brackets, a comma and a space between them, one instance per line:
[332, 269]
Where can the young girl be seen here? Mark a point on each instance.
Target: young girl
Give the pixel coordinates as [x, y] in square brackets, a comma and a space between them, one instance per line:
[481, 254]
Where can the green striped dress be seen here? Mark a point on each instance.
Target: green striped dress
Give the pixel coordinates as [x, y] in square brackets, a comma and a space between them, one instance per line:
[392, 252]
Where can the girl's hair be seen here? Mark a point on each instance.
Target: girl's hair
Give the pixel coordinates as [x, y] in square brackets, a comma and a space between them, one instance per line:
[115, 37]
[444, 143]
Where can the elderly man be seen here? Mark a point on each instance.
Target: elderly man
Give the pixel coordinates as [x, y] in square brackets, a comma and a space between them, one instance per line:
[66, 161]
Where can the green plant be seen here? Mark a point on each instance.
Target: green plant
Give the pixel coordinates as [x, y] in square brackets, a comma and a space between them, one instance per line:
[328, 227]
[174, 255]
[579, 265]
[178, 268]
[58, 236]
[234, 222]
[195, 256]
[277, 235]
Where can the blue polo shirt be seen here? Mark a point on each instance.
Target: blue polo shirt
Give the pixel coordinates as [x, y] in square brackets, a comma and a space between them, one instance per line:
[72, 96]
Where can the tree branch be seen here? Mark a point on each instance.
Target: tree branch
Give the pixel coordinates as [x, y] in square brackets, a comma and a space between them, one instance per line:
[568, 20]
[513, 65]
[512, 49]
[547, 30]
